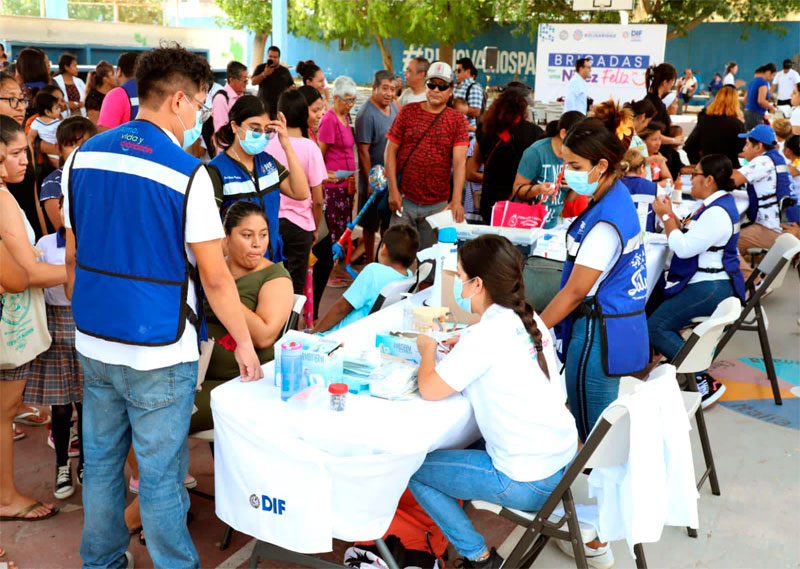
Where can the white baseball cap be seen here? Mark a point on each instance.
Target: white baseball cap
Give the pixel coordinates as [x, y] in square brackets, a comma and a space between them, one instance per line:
[440, 70]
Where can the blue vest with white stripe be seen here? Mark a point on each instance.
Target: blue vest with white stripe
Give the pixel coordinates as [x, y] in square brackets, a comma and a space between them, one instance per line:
[639, 186]
[620, 299]
[128, 189]
[133, 96]
[784, 189]
[681, 271]
[264, 191]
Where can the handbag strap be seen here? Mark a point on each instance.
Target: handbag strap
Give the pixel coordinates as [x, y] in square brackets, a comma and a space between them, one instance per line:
[403, 167]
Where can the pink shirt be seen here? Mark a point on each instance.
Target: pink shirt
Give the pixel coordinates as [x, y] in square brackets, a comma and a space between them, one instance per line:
[301, 212]
[340, 141]
[220, 107]
[116, 108]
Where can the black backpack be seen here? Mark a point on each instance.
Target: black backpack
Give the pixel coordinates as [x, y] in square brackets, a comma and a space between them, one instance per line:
[208, 128]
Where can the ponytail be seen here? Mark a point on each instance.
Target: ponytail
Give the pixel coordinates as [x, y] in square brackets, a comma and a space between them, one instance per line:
[499, 265]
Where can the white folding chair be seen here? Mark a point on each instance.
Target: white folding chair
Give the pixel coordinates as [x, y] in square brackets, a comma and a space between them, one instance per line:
[394, 291]
[772, 270]
[295, 314]
[608, 445]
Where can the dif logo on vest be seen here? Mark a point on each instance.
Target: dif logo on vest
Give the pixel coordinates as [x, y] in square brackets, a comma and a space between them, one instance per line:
[267, 504]
[132, 141]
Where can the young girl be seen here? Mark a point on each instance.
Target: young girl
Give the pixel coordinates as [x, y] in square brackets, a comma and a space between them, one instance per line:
[600, 307]
[653, 135]
[635, 179]
[56, 378]
[45, 125]
[506, 367]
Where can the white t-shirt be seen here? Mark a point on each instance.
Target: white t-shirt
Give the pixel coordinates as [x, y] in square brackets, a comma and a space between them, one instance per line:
[712, 229]
[55, 255]
[46, 130]
[729, 80]
[760, 172]
[599, 250]
[529, 432]
[202, 224]
[408, 96]
[795, 117]
[786, 82]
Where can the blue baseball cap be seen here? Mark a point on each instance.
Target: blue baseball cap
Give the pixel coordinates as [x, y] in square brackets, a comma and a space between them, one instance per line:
[762, 133]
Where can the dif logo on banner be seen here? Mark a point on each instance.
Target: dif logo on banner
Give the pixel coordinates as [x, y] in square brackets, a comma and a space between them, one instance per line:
[267, 504]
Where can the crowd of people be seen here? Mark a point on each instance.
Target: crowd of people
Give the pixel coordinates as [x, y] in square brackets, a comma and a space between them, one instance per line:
[232, 203]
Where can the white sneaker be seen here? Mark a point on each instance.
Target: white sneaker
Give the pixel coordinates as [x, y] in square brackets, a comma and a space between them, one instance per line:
[63, 488]
[600, 558]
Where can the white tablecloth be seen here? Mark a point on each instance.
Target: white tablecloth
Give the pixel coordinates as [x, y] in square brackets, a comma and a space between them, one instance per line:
[338, 474]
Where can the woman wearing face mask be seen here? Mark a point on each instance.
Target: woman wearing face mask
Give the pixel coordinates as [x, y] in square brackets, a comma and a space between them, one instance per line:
[517, 398]
[245, 172]
[600, 308]
[705, 266]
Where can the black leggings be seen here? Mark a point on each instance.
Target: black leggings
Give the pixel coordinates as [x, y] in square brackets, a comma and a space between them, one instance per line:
[323, 251]
[62, 421]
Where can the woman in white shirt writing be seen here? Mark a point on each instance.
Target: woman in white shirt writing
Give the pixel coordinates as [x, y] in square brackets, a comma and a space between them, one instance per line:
[705, 266]
[506, 367]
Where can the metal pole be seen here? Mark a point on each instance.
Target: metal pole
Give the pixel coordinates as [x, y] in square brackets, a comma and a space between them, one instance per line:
[279, 25]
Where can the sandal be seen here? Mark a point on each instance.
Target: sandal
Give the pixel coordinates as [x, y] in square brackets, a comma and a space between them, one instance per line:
[18, 434]
[20, 516]
[33, 417]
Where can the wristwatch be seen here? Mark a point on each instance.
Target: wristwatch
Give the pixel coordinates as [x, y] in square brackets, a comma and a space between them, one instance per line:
[666, 216]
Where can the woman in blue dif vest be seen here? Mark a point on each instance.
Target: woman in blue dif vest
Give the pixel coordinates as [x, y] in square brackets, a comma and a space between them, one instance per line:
[245, 172]
[599, 312]
[705, 266]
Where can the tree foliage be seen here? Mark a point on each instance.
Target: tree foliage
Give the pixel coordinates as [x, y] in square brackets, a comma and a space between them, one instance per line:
[255, 15]
[680, 16]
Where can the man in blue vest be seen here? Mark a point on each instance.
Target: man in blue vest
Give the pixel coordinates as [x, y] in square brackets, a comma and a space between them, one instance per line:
[143, 233]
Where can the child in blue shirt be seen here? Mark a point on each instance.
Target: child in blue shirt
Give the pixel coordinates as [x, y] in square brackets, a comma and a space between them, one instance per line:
[395, 256]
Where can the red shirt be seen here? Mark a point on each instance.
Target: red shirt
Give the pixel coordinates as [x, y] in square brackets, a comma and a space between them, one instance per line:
[426, 177]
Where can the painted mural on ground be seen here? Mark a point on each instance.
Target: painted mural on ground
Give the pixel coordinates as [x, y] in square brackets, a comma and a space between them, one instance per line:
[749, 392]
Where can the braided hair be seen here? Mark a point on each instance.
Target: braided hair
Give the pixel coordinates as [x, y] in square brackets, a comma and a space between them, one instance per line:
[499, 265]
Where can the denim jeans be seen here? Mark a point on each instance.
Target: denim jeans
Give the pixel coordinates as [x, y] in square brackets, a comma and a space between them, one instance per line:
[414, 214]
[151, 409]
[697, 299]
[589, 389]
[450, 475]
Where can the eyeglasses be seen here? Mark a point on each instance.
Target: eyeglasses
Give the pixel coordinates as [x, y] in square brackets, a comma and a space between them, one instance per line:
[349, 101]
[432, 85]
[205, 112]
[15, 102]
[696, 173]
[257, 131]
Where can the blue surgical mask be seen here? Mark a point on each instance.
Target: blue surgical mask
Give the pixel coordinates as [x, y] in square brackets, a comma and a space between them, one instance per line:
[458, 292]
[192, 134]
[253, 143]
[579, 181]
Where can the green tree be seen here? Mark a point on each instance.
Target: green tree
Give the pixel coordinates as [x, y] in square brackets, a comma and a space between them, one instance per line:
[680, 16]
[419, 22]
[254, 15]
[21, 7]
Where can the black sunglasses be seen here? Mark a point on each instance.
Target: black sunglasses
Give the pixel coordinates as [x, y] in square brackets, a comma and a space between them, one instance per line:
[440, 86]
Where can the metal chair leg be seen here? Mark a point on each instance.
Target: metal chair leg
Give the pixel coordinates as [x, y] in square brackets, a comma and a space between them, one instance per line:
[226, 538]
[641, 562]
[705, 443]
[766, 352]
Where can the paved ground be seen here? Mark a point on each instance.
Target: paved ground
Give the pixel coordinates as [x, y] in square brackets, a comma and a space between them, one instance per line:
[754, 524]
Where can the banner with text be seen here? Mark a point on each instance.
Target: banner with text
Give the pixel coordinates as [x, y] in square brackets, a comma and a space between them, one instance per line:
[620, 56]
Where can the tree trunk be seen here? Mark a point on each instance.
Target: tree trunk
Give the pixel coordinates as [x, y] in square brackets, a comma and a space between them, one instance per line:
[259, 43]
[446, 53]
[386, 52]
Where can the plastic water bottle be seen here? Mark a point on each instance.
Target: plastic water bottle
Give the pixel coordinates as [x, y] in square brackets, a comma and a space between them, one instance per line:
[291, 369]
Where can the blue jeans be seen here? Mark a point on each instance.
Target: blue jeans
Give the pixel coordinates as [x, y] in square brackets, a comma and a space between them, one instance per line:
[697, 299]
[589, 389]
[450, 475]
[151, 409]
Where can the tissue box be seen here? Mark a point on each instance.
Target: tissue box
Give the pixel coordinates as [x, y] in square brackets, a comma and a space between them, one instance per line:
[400, 344]
[316, 361]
